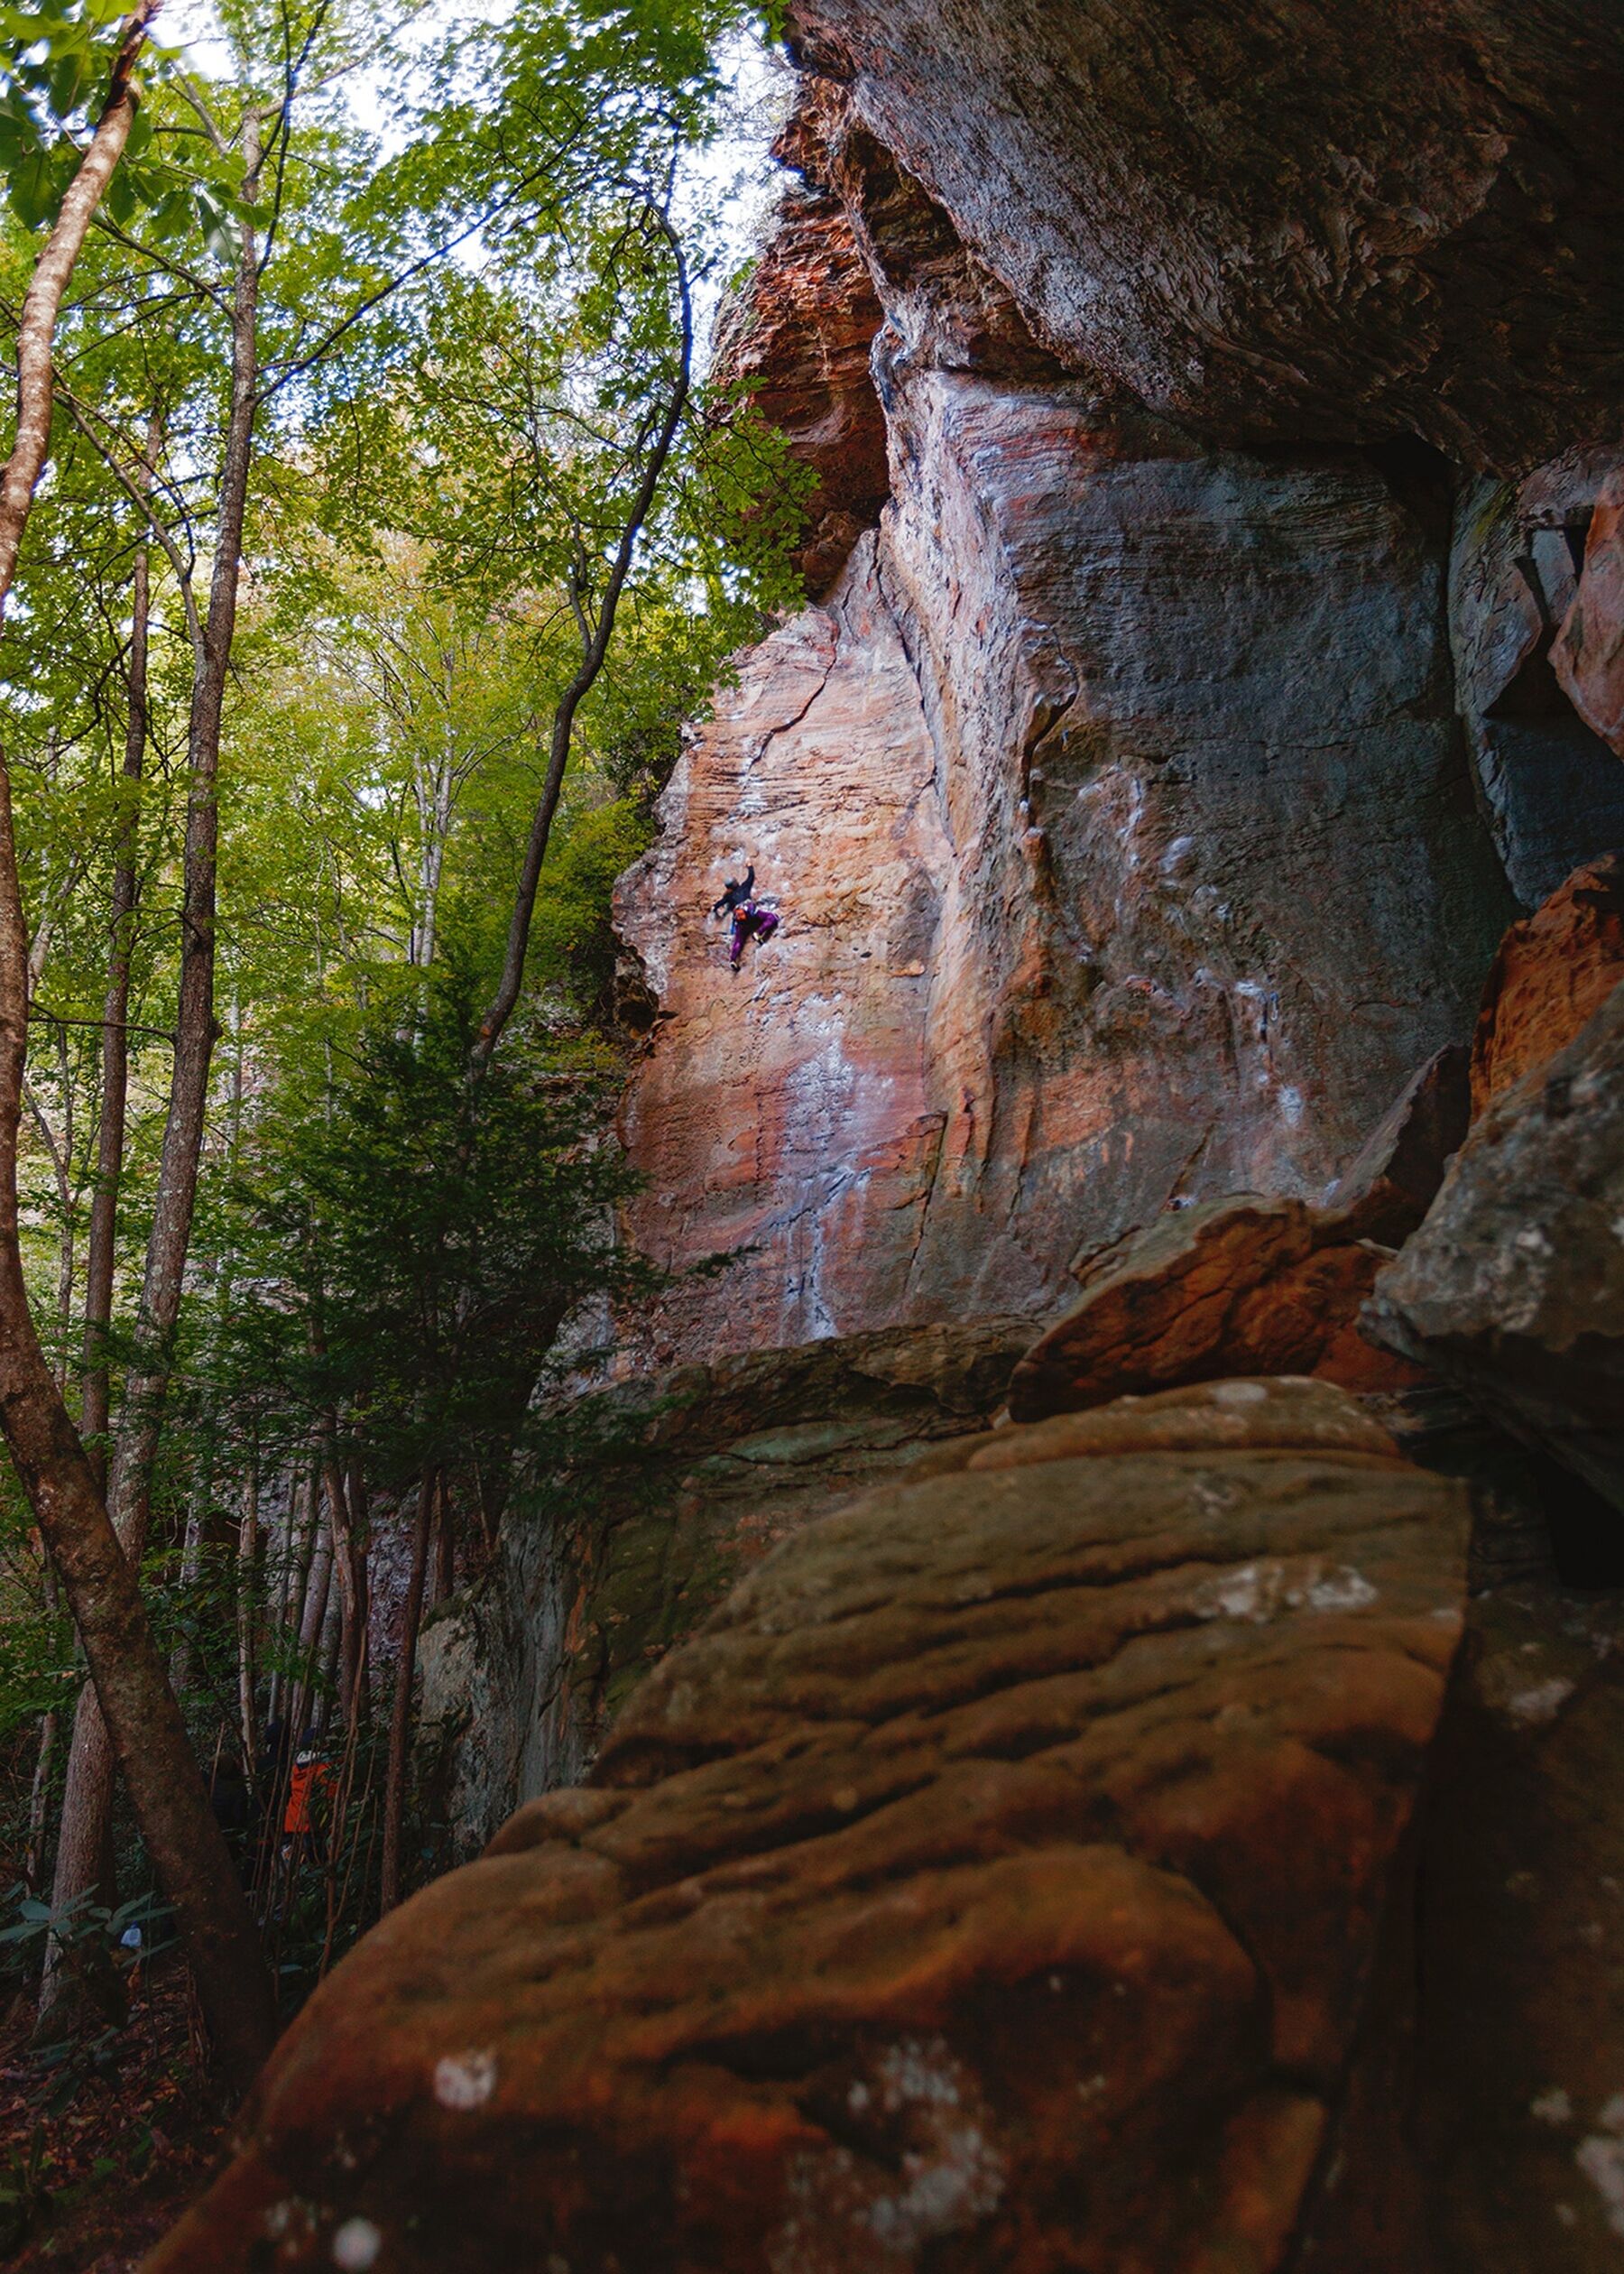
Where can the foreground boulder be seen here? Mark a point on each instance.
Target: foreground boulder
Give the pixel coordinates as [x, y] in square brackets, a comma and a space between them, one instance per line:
[993, 1884]
[1514, 1287]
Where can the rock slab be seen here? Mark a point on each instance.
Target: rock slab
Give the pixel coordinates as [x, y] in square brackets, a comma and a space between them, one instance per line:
[993, 1884]
[1514, 1287]
[1553, 972]
[1246, 1285]
[639, 1507]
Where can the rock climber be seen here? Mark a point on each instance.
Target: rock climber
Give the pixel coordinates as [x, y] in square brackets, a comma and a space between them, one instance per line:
[750, 920]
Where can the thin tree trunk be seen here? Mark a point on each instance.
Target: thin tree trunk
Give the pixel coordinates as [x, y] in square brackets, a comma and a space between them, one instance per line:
[246, 1556]
[400, 1727]
[319, 1586]
[332, 1646]
[595, 649]
[39, 1800]
[36, 327]
[358, 1647]
[87, 1797]
[182, 1665]
[149, 1738]
[287, 1593]
[352, 1590]
[101, 1246]
[445, 1549]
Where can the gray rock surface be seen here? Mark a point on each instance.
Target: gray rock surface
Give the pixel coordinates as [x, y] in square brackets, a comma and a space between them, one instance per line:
[1514, 1286]
[1326, 220]
[644, 1505]
[1553, 790]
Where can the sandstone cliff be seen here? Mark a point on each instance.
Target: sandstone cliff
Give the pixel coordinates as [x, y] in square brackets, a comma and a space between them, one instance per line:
[1144, 800]
[1154, 1833]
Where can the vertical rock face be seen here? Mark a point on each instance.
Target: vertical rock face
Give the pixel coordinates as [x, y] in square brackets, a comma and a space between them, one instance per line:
[1121, 826]
[1145, 801]
[796, 340]
[1531, 664]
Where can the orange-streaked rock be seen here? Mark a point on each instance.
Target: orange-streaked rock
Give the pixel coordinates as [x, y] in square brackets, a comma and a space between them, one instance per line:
[797, 337]
[1552, 974]
[1244, 1286]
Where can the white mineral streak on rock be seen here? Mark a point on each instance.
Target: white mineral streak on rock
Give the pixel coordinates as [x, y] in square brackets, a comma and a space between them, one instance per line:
[1259, 1592]
[1600, 2157]
[356, 2246]
[464, 2080]
[1541, 1703]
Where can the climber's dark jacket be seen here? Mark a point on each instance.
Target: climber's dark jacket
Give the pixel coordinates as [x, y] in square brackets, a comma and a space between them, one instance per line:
[735, 895]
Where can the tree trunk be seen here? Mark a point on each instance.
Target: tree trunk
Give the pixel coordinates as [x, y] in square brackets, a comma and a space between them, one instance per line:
[312, 1618]
[181, 1835]
[39, 1800]
[595, 649]
[351, 1586]
[88, 1795]
[400, 1727]
[246, 1556]
[36, 327]
[332, 1645]
[149, 1738]
[445, 1549]
[101, 1246]
[198, 1500]
[358, 1646]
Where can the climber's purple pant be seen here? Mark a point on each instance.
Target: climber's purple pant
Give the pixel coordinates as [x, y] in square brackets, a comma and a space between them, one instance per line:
[761, 922]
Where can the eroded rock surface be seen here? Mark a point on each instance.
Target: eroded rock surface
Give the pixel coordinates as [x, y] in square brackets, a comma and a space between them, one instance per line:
[1296, 221]
[1552, 974]
[1514, 1286]
[1240, 1286]
[1589, 653]
[640, 1507]
[796, 340]
[926, 1911]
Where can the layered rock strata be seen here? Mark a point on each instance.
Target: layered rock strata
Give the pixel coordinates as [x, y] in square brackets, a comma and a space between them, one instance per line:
[641, 1506]
[926, 1910]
